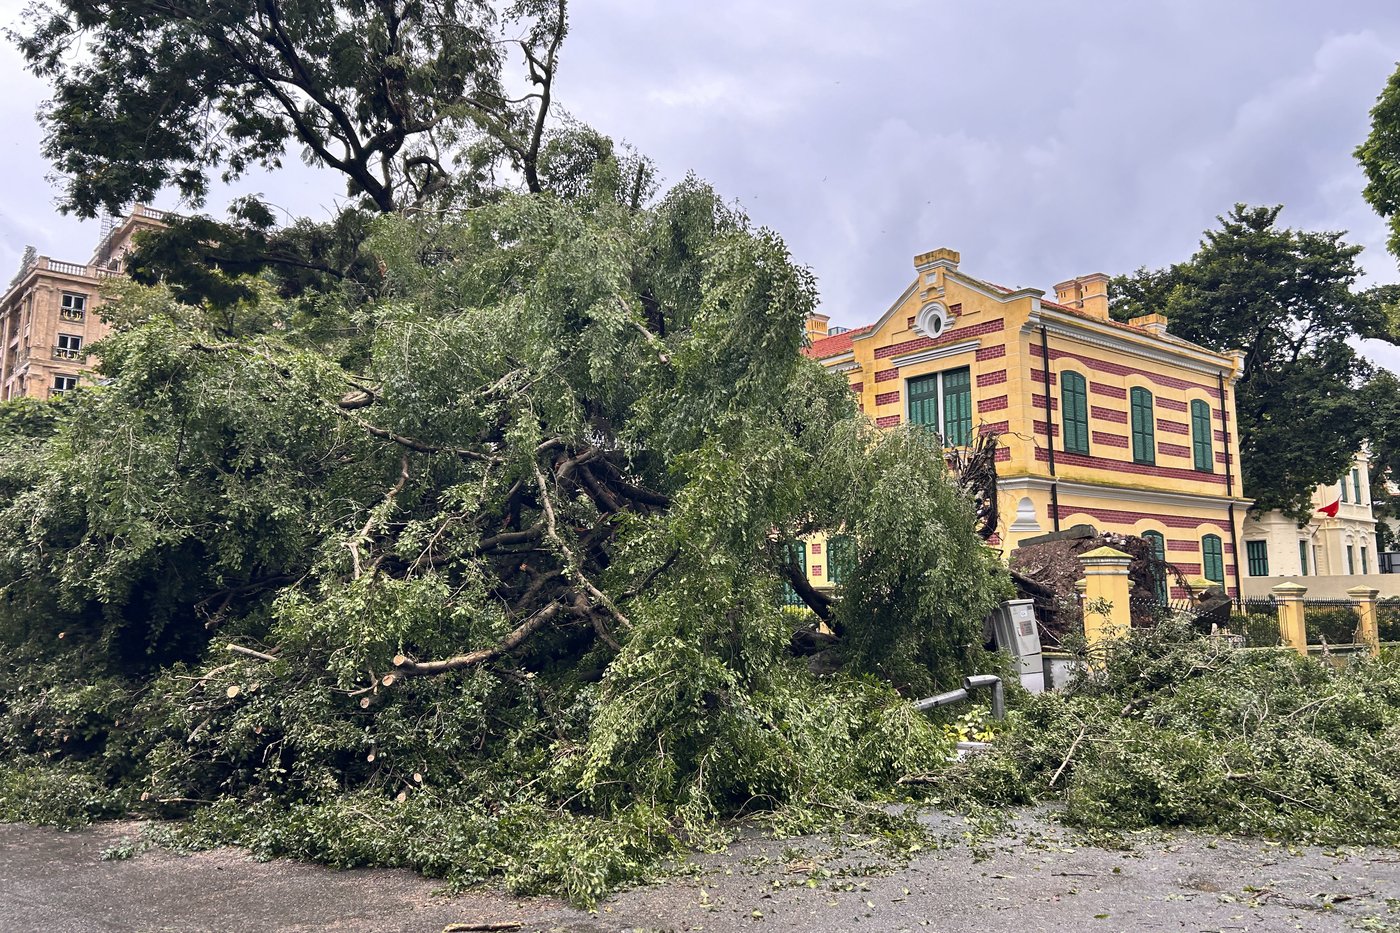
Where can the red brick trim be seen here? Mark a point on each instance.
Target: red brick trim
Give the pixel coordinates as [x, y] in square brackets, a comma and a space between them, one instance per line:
[1172, 427]
[991, 353]
[1098, 388]
[887, 398]
[885, 375]
[1109, 414]
[857, 387]
[1110, 440]
[1132, 518]
[1174, 450]
[1039, 376]
[1123, 466]
[1171, 404]
[998, 427]
[887, 421]
[953, 335]
[1117, 369]
[990, 379]
[1193, 546]
[1039, 428]
[1038, 403]
[992, 404]
[1003, 454]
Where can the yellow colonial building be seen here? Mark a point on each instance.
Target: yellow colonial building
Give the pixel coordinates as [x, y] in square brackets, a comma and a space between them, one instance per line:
[1117, 425]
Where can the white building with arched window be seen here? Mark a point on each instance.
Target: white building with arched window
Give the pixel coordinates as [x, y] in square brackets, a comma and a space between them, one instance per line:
[1335, 550]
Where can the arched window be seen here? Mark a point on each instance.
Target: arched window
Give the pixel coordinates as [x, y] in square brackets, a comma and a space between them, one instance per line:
[1201, 432]
[1144, 428]
[1159, 573]
[1074, 411]
[1212, 559]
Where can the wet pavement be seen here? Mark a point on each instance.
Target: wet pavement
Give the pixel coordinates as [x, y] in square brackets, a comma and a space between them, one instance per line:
[1034, 877]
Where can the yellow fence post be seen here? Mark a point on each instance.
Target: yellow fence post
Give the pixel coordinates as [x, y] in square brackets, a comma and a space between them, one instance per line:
[1364, 599]
[1291, 629]
[1107, 614]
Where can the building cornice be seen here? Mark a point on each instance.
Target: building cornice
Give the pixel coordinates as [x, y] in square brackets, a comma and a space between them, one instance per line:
[1121, 493]
[1186, 356]
[936, 353]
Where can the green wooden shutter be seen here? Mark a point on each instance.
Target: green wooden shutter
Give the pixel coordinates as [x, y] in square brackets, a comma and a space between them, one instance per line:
[1201, 432]
[1356, 485]
[1159, 573]
[1258, 554]
[957, 407]
[797, 554]
[923, 401]
[1303, 557]
[840, 559]
[1074, 411]
[1144, 430]
[1212, 559]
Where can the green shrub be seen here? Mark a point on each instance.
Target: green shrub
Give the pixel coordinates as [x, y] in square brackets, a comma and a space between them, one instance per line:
[1337, 624]
[1388, 619]
[1260, 629]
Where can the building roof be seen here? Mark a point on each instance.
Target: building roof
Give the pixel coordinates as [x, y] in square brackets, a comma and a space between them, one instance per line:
[834, 345]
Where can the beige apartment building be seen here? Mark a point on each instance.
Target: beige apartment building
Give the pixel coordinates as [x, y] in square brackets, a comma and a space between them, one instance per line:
[48, 316]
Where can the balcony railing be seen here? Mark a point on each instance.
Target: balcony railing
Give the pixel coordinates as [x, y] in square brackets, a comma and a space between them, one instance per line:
[71, 314]
[64, 353]
[68, 268]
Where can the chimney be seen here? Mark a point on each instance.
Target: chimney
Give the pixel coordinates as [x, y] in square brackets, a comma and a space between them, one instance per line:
[1153, 323]
[1068, 293]
[1094, 289]
[817, 326]
[1088, 293]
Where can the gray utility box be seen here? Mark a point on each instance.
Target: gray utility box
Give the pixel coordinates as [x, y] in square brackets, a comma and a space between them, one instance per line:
[1015, 630]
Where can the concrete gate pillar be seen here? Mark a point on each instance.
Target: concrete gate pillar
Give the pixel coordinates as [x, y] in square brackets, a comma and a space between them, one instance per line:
[1107, 614]
[1291, 629]
[1364, 599]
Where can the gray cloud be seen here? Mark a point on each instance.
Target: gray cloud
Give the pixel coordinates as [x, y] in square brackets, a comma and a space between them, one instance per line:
[1043, 140]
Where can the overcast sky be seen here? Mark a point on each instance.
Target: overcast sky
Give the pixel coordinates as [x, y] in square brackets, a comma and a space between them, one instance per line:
[1043, 140]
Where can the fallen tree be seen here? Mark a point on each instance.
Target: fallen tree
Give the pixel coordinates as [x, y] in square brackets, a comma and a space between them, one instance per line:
[1181, 730]
[494, 592]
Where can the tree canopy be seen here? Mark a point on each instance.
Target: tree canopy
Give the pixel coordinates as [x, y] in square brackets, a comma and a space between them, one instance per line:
[1287, 299]
[407, 99]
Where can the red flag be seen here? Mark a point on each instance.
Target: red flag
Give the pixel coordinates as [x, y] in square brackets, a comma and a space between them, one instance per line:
[1330, 510]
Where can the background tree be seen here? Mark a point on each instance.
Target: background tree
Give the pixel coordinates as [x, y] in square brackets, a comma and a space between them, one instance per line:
[390, 94]
[1285, 298]
[1380, 159]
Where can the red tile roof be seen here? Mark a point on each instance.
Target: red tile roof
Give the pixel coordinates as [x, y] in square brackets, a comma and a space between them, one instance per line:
[833, 345]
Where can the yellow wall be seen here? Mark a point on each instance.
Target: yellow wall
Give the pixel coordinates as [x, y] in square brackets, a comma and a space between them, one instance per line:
[995, 332]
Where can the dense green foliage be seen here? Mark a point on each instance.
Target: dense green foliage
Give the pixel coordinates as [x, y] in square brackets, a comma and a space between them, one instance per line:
[513, 544]
[408, 100]
[1285, 299]
[1380, 159]
[1177, 730]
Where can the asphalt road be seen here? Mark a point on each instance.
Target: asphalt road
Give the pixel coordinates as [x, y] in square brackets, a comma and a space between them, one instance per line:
[1037, 877]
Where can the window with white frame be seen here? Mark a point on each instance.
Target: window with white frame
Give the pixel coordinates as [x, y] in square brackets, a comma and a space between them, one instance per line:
[72, 301]
[70, 342]
[62, 383]
[943, 402]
